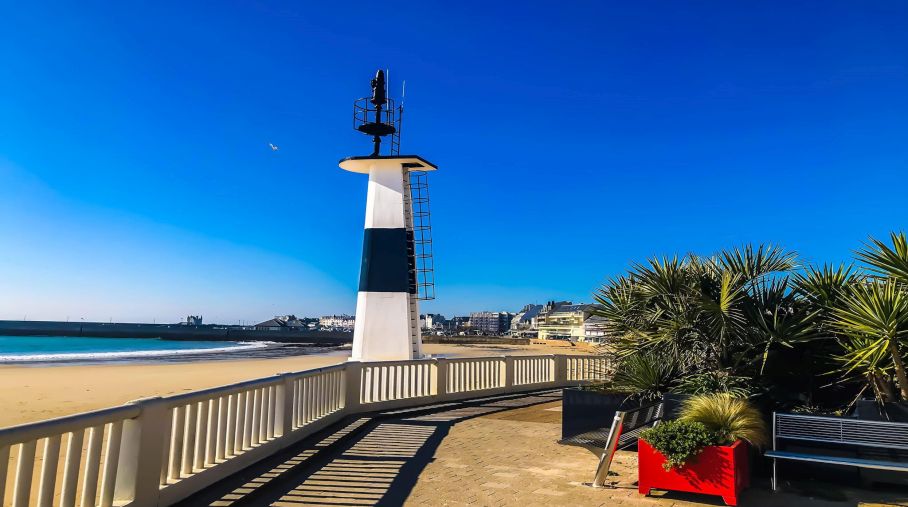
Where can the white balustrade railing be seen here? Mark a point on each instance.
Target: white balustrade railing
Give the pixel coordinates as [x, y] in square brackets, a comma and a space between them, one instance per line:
[475, 374]
[533, 370]
[396, 380]
[91, 454]
[317, 394]
[588, 368]
[158, 451]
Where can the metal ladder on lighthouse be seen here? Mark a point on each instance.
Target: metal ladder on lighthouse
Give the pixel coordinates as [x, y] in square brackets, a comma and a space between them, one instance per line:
[419, 230]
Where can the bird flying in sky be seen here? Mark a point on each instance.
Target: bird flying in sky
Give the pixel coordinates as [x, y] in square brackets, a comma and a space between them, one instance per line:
[273, 147]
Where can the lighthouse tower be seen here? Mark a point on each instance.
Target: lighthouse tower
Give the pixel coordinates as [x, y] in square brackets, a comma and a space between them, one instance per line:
[396, 270]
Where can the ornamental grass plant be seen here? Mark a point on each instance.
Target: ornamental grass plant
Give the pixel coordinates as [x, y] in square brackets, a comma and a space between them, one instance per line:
[728, 417]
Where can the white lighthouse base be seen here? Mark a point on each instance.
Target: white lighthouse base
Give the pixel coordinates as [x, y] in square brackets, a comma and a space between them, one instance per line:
[387, 336]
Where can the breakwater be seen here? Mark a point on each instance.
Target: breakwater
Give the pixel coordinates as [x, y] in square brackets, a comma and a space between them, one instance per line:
[210, 332]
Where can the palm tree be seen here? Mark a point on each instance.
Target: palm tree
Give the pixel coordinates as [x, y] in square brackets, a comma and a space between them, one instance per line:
[868, 314]
[726, 314]
[707, 313]
[875, 317]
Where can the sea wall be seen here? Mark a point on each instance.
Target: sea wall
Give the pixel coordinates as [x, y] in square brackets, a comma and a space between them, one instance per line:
[168, 331]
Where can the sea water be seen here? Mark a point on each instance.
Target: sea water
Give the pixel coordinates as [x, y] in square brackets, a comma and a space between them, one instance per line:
[31, 349]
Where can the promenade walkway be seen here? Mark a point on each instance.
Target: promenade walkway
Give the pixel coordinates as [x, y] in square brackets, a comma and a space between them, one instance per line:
[493, 451]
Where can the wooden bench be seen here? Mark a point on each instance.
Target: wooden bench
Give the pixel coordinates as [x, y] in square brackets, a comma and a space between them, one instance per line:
[873, 437]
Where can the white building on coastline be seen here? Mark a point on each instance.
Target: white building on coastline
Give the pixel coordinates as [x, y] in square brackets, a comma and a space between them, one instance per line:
[566, 321]
[524, 322]
[343, 322]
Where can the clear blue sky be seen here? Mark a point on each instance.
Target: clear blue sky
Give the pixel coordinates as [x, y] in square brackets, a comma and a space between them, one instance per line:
[573, 138]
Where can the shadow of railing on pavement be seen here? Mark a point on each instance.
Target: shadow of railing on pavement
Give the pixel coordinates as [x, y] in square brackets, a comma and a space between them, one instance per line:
[379, 468]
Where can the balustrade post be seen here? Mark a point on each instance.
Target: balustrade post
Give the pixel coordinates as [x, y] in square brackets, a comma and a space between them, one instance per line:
[139, 466]
[508, 372]
[283, 416]
[441, 377]
[559, 376]
[353, 380]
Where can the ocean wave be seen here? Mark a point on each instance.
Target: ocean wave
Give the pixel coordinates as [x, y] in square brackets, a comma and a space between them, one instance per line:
[133, 354]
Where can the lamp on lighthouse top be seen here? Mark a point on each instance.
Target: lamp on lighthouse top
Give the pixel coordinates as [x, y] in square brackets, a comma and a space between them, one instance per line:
[379, 117]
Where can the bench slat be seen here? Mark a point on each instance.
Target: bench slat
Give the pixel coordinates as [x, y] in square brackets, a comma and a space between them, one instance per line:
[815, 418]
[837, 430]
[836, 460]
[880, 445]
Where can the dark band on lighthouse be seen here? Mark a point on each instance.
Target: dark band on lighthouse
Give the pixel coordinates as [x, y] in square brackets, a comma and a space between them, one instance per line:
[386, 263]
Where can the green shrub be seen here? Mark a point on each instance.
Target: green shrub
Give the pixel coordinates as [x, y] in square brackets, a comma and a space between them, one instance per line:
[678, 440]
[728, 417]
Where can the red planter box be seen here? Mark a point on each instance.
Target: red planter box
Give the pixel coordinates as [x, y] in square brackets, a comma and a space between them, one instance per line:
[722, 471]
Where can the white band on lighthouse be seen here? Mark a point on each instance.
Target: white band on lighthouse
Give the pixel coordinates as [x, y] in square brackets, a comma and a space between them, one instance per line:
[385, 198]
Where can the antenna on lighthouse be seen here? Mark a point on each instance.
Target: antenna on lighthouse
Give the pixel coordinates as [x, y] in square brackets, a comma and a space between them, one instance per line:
[395, 137]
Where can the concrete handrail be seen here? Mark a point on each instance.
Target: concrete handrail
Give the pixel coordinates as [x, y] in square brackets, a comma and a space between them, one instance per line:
[158, 451]
[65, 424]
[224, 390]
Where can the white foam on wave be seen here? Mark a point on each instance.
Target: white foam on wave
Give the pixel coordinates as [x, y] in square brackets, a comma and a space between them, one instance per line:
[128, 354]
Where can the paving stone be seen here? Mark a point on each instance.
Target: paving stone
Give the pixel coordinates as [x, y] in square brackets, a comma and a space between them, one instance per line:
[496, 485]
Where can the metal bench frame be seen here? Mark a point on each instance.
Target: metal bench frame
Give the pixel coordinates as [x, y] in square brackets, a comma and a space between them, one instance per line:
[837, 431]
[626, 428]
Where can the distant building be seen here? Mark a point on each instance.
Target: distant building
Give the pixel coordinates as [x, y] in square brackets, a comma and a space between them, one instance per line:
[455, 324]
[594, 329]
[432, 321]
[491, 322]
[194, 320]
[282, 323]
[343, 322]
[525, 322]
[565, 321]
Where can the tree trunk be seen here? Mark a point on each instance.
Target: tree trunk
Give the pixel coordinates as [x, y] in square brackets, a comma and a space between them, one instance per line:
[899, 369]
[876, 387]
[882, 387]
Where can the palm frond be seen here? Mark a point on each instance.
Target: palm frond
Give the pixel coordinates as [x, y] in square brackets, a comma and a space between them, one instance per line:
[659, 278]
[823, 286]
[646, 374]
[861, 356]
[755, 264]
[887, 261]
[875, 309]
[715, 381]
[721, 294]
[777, 318]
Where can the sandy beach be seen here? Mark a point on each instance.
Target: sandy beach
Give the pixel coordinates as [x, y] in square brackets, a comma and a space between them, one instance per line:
[33, 393]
